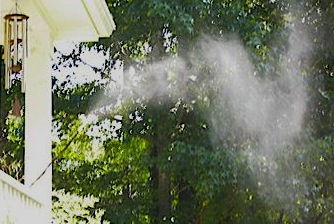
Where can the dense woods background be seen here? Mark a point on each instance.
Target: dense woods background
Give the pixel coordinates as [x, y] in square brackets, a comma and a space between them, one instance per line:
[164, 145]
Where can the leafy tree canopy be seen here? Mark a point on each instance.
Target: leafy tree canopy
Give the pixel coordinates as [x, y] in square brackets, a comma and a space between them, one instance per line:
[172, 151]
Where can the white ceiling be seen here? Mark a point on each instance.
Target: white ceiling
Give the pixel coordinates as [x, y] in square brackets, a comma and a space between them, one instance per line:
[70, 20]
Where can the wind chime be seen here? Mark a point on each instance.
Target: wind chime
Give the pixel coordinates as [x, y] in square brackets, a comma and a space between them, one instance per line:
[15, 53]
[15, 47]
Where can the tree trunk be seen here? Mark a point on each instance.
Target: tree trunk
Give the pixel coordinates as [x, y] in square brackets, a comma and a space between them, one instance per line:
[164, 196]
[187, 203]
[161, 186]
[154, 211]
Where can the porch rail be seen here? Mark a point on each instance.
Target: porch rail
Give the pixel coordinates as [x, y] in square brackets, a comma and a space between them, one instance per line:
[17, 204]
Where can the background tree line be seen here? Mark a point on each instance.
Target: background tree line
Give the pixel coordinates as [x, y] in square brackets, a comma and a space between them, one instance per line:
[151, 159]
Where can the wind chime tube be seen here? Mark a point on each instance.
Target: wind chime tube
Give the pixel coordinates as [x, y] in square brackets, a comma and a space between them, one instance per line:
[7, 54]
[23, 56]
[15, 39]
[24, 53]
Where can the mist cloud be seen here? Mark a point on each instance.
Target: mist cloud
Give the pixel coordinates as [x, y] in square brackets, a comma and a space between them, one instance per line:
[269, 111]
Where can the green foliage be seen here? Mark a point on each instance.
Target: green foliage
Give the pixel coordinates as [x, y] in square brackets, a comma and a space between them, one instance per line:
[316, 163]
[208, 179]
[114, 171]
[12, 152]
[206, 170]
[73, 209]
[120, 163]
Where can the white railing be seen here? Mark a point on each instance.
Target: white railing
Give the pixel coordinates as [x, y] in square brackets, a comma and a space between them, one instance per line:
[17, 204]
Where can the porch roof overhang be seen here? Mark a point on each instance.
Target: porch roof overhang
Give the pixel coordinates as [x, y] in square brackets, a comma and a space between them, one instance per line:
[68, 20]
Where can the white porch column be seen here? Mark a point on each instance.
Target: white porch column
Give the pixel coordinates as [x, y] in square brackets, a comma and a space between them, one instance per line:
[49, 20]
[38, 118]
